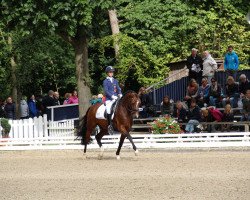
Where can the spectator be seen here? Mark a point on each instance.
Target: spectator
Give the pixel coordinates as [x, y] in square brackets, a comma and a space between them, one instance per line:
[10, 109]
[214, 93]
[100, 98]
[227, 117]
[73, 99]
[209, 66]
[67, 97]
[244, 85]
[206, 116]
[167, 107]
[56, 98]
[246, 107]
[33, 111]
[212, 115]
[203, 93]
[192, 91]
[194, 64]
[232, 93]
[48, 101]
[194, 117]
[24, 108]
[146, 104]
[180, 113]
[231, 62]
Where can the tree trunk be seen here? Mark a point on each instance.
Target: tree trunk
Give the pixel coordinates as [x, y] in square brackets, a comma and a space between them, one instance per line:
[13, 66]
[82, 74]
[115, 29]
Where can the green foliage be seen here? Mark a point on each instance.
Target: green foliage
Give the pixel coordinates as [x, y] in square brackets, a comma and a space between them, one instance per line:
[6, 127]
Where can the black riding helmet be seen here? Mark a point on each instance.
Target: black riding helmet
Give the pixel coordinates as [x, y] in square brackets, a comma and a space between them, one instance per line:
[109, 69]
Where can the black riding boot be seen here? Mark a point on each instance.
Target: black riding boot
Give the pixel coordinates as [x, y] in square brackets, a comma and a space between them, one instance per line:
[110, 127]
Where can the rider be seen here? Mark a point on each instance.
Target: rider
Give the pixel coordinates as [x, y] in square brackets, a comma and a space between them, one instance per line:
[112, 91]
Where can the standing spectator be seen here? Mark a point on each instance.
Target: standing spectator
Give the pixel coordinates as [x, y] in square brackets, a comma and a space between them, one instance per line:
[67, 97]
[214, 93]
[194, 117]
[232, 93]
[180, 113]
[209, 66]
[48, 101]
[203, 93]
[244, 85]
[33, 111]
[167, 107]
[194, 64]
[24, 108]
[246, 107]
[192, 91]
[146, 103]
[227, 117]
[56, 98]
[10, 109]
[74, 98]
[231, 62]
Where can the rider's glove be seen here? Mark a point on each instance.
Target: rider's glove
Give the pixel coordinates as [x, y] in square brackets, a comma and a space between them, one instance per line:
[114, 97]
[120, 95]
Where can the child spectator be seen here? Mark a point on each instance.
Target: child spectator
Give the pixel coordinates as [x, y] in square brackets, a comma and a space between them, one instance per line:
[214, 93]
[227, 117]
[232, 93]
[167, 107]
[180, 113]
[194, 117]
[67, 97]
[246, 107]
[192, 91]
[203, 93]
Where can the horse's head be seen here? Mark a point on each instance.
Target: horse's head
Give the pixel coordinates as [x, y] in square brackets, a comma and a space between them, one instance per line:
[131, 102]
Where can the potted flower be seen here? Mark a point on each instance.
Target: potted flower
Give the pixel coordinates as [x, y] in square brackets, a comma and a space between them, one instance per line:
[165, 125]
[5, 127]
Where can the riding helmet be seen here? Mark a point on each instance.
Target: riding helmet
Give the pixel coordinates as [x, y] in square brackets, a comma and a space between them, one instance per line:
[109, 69]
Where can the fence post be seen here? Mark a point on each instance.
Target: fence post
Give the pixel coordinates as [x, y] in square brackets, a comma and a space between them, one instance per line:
[154, 93]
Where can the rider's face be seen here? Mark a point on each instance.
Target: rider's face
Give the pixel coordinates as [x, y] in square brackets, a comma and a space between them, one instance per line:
[110, 74]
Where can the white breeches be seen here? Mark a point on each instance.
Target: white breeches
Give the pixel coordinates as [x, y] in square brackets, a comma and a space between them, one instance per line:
[109, 104]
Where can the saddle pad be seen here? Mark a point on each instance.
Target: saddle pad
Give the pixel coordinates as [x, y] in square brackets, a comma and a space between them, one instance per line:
[100, 112]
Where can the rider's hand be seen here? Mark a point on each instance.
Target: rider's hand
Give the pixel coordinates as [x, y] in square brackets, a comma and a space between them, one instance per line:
[120, 95]
[114, 97]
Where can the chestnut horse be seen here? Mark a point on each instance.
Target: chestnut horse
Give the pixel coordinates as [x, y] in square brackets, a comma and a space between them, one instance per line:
[127, 107]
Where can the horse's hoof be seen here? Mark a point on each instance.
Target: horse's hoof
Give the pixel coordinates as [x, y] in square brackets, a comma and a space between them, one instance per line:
[84, 157]
[118, 157]
[136, 153]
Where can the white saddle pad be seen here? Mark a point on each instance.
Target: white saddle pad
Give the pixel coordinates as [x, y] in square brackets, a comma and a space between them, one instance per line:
[100, 112]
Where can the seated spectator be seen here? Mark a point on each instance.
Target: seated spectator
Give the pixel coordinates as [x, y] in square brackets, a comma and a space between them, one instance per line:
[180, 113]
[232, 93]
[146, 104]
[227, 117]
[10, 109]
[95, 100]
[67, 97]
[214, 93]
[24, 108]
[203, 93]
[206, 116]
[192, 91]
[101, 98]
[33, 111]
[74, 98]
[246, 107]
[244, 85]
[194, 117]
[167, 106]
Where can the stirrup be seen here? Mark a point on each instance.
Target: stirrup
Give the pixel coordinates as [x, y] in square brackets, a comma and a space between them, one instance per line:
[111, 130]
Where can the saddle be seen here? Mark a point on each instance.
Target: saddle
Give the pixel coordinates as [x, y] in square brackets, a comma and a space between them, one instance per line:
[101, 112]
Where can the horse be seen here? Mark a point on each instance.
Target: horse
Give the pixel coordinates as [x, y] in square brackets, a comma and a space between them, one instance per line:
[127, 107]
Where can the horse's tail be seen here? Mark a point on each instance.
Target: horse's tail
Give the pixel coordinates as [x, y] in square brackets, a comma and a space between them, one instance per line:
[82, 128]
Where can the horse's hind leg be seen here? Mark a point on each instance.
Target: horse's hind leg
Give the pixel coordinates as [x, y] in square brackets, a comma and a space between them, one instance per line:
[132, 142]
[120, 146]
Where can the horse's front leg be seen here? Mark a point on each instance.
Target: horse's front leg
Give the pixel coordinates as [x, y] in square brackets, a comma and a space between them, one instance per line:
[132, 142]
[120, 146]
[98, 138]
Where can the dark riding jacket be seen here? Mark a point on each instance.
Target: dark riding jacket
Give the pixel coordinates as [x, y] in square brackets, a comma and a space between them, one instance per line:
[111, 88]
